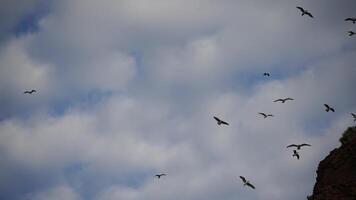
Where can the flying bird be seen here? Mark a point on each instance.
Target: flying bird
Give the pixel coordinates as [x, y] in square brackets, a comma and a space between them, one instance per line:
[351, 33]
[266, 74]
[354, 116]
[305, 12]
[219, 121]
[266, 115]
[29, 92]
[246, 182]
[296, 154]
[298, 145]
[351, 19]
[283, 100]
[328, 108]
[159, 175]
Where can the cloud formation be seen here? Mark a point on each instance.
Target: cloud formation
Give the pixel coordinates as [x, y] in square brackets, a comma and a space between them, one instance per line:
[128, 89]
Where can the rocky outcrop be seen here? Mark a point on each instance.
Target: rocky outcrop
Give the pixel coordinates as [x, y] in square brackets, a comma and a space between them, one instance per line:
[336, 174]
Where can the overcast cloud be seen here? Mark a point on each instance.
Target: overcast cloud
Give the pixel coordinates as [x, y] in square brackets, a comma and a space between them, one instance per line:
[128, 89]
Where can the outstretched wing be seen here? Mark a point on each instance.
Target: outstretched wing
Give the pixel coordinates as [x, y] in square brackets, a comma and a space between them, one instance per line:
[250, 185]
[348, 19]
[26, 92]
[263, 114]
[288, 99]
[243, 179]
[217, 119]
[300, 8]
[292, 145]
[305, 145]
[332, 109]
[327, 106]
[278, 100]
[309, 14]
[270, 115]
[224, 122]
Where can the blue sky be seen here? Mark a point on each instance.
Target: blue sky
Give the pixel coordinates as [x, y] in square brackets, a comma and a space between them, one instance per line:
[129, 88]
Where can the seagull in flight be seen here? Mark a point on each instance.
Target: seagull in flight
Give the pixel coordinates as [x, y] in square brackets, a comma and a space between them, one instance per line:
[266, 74]
[283, 100]
[219, 121]
[29, 92]
[246, 182]
[328, 108]
[305, 12]
[298, 145]
[296, 154]
[354, 116]
[266, 115]
[351, 33]
[352, 19]
[159, 175]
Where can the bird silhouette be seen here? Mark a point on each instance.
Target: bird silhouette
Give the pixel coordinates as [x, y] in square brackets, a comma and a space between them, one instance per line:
[29, 92]
[246, 182]
[296, 154]
[352, 19]
[266, 115]
[305, 12]
[328, 108]
[283, 100]
[354, 116]
[351, 33]
[159, 175]
[266, 74]
[298, 145]
[219, 121]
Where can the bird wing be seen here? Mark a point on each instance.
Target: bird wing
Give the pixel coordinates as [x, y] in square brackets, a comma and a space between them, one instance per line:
[349, 19]
[243, 179]
[288, 99]
[300, 8]
[26, 92]
[278, 100]
[249, 184]
[326, 105]
[217, 119]
[263, 114]
[332, 109]
[224, 122]
[305, 145]
[292, 145]
[297, 155]
[270, 115]
[310, 15]
[353, 115]
[163, 174]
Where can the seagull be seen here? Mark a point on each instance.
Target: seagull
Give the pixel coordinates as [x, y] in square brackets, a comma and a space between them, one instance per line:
[305, 12]
[353, 115]
[328, 108]
[298, 145]
[266, 74]
[295, 153]
[159, 175]
[266, 115]
[351, 33]
[219, 121]
[353, 19]
[283, 100]
[247, 183]
[29, 92]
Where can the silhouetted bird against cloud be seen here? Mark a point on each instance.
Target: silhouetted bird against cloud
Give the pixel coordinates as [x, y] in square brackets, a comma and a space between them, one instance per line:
[219, 121]
[295, 153]
[30, 92]
[351, 33]
[246, 182]
[352, 19]
[328, 108]
[266, 74]
[305, 12]
[298, 145]
[354, 116]
[283, 100]
[266, 115]
[159, 175]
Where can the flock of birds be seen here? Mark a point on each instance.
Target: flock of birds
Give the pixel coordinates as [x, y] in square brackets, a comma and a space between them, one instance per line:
[297, 147]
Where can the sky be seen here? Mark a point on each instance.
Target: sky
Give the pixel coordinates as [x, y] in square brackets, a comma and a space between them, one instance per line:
[127, 89]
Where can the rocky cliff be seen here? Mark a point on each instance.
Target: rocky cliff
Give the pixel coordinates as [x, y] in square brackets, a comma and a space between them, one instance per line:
[336, 174]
